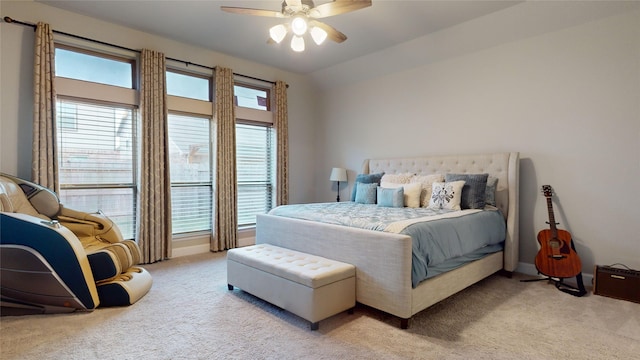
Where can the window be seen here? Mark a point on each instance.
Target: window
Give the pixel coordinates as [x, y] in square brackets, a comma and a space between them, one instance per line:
[96, 160]
[94, 67]
[191, 152]
[188, 85]
[96, 121]
[251, 97]
[255, 156]
[191, 180]
[255, 153]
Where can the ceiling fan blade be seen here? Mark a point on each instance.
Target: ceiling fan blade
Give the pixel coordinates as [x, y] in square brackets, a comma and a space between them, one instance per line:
[338, 7]
[332, 33]
[249, 11]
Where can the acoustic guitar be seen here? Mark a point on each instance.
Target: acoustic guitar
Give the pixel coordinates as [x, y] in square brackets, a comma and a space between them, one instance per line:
[556, 257]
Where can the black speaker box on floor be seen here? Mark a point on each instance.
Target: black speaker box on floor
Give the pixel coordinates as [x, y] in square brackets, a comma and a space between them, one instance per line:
[617, 283]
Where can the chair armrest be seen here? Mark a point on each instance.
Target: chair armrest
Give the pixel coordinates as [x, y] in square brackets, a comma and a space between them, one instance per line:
[89, 225]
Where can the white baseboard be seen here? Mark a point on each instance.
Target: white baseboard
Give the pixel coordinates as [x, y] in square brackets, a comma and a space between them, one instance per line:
[530, 269]
[247, 241]
[204, 248]
[190, 250]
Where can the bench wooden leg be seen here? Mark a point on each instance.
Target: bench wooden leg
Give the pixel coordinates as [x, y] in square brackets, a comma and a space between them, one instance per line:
[315, 325]
[229, 286]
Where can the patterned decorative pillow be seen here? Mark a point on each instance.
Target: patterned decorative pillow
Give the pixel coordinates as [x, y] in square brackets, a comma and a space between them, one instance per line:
[391, 197]
[446, 195]
[427, 183]
[411, 193]
[366, 193]
[475, 186]
[365, 179]
[403, 178]
[490, 193]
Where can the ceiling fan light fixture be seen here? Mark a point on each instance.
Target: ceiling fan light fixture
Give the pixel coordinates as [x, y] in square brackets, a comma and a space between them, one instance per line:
[318, 35]
[302, 17]
[299, 25]
[297, 43]
[278, 33]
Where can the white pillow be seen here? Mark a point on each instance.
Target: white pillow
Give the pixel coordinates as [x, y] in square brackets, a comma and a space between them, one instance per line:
[411, 192]
[403, 178]
[427, 185]
[446, 195]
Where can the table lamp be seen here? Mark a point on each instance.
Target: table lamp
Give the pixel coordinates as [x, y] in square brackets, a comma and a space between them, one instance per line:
[337, 175]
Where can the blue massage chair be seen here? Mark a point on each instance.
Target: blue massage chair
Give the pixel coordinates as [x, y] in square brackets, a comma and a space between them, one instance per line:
[54, 259]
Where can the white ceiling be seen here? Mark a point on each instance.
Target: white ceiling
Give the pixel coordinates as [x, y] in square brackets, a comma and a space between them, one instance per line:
[385, 24]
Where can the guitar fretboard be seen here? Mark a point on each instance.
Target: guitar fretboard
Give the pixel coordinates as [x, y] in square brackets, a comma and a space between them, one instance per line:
[552, 219]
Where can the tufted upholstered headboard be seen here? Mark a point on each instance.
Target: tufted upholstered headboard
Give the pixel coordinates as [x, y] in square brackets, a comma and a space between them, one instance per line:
[504, 166]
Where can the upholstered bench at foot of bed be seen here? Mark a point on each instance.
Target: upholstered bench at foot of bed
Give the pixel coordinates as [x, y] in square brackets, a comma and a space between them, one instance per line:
[309, 286]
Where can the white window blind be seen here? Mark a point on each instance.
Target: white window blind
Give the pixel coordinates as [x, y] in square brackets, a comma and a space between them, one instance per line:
[96, 159]
[255, 156]
[191, 177]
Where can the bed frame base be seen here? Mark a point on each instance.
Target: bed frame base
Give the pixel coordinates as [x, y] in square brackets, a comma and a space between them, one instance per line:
[383, 274]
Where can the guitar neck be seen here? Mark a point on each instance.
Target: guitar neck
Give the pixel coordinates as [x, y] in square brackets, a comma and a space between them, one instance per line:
[552, 218]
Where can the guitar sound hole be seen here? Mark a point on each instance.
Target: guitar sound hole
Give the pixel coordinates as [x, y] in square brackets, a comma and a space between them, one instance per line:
[555, 244]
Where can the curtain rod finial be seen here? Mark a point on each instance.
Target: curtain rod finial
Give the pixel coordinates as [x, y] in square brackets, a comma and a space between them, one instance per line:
[7, 19]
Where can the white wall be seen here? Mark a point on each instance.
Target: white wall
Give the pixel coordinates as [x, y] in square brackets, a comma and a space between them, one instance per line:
[568, 99]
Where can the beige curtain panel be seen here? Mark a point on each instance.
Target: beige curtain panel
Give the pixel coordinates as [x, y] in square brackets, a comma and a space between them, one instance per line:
[282, 138]
[226, 218]
[44, 167]
[154, 205]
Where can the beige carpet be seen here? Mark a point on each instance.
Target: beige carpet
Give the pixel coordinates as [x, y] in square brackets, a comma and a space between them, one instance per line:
[190, 314]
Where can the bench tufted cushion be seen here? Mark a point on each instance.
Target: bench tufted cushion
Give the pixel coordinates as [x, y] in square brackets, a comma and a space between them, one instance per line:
[309, 270]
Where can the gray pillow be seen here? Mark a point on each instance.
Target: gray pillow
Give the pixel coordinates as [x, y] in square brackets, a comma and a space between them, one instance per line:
[366, 193]
[490, 193]
[365, 179]
[473, 191]
[388, 197]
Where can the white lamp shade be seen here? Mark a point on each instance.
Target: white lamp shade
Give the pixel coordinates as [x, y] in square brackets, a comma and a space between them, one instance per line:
[318, 35]
[297, 43]
[338, 174]
[278, 33]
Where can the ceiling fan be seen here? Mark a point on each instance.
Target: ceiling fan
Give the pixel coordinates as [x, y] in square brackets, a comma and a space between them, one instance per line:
[303, 15]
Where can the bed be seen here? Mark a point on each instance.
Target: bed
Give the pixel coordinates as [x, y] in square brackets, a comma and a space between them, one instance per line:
[383, 259]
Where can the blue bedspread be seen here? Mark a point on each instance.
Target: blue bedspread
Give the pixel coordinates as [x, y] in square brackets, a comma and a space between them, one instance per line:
[442, 239]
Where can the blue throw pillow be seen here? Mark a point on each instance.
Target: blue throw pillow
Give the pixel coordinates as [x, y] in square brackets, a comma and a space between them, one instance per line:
[391, 197]
[366, 193]
[365, 179]
[473, 191]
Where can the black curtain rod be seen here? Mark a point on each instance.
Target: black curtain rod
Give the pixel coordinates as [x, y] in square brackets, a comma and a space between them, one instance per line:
[188, 63]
